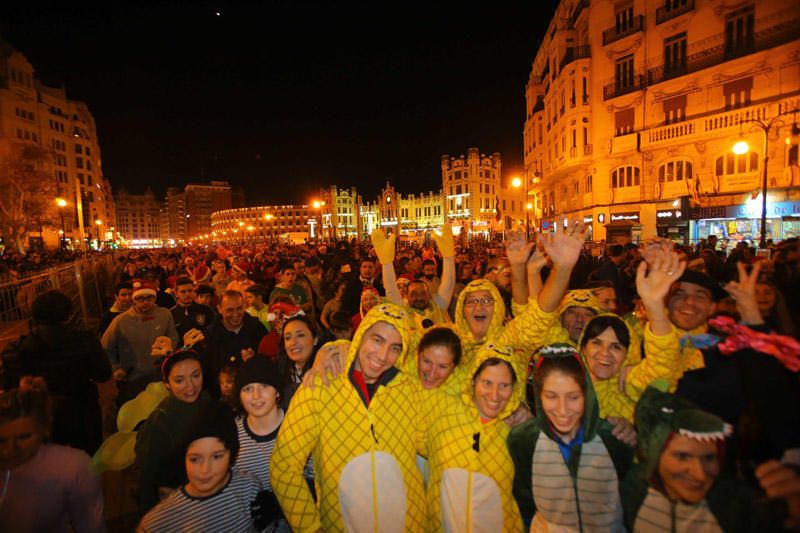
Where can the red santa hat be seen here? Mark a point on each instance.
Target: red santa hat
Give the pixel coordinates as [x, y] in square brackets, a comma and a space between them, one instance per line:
[143, 287]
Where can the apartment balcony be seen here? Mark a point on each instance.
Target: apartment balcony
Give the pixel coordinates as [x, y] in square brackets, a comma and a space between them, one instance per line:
[574, 53]
[664, 13]
[715, 124]
[715, 50]
[617, 32]
[614, 89]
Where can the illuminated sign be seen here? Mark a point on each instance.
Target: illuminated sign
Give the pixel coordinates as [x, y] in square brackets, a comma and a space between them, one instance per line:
[670, 215]
[587, 219]
[615, 217]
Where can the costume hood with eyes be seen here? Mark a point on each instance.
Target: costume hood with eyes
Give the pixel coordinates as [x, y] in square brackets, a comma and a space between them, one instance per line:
[569, 485]
[728, 506]
[471, 472]
[525, 332]
[663, 361]
[574, 298]
[363, 444]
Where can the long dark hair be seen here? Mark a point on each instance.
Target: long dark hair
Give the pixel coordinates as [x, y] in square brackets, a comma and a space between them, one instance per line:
[599, 324]
[286, 366]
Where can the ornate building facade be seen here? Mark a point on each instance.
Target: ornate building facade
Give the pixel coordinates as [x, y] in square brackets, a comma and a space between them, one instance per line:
[633, 109]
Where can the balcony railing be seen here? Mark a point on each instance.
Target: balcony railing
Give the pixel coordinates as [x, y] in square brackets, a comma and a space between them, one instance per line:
[616, 33]
[612, 90]
[763, 39]
[664, 13]
[573, 53]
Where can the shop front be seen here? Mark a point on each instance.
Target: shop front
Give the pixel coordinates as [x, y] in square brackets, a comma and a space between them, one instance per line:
[587, 221]
[623, 227]
[743, 222]
[673, 224]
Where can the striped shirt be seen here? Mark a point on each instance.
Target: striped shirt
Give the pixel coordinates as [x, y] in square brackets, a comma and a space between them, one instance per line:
[255, 452]
[228, 510]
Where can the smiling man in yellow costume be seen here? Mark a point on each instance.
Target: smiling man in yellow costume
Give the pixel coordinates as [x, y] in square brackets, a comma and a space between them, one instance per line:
[362, 434]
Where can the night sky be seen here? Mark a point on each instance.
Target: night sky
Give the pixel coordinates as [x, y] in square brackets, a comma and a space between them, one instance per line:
[283, 97]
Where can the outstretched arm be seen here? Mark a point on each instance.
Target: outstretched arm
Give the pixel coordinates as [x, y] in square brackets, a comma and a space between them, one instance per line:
[563, 249]
[447, 248]
[518, 249]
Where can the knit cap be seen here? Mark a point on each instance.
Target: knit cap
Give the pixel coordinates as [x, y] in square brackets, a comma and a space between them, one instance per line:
[215, 420]
[258, 369]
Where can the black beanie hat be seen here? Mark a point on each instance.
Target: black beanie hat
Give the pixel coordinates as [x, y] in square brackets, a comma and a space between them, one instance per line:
[705, 281]
[258, 369]
[214, 420]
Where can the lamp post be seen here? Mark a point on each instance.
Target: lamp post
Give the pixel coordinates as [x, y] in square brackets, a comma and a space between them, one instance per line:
[98, 223]
[741, 148]
[61, 203]
[517, 183]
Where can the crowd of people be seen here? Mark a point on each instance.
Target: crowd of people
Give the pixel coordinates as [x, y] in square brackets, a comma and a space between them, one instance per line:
[438, 386]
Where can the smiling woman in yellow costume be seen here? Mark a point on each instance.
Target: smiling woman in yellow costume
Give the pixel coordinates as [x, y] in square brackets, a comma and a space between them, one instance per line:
[611, 349]
[471, 471]
[362, 432]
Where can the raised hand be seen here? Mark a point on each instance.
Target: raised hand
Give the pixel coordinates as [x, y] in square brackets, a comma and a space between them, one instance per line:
[744, 292]
[564, 248]
[161, 347]
[445, 241]
[657, 272]
[518, 249]
[384, 248]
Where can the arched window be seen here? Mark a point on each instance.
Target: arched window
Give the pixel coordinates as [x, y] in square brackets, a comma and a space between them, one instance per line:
[731, 163]
[675, 171]
[627, 176]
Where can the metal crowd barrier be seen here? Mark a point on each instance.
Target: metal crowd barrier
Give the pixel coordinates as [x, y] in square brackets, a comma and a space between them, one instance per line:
[87, 282]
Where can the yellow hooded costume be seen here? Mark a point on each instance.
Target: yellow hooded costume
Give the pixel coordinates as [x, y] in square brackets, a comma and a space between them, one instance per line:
[526, 332]
[662, 361]
[574, 298]
[363, 450]
[471, 471]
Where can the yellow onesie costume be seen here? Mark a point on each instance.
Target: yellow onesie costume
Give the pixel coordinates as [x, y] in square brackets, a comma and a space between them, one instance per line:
[526, 332]
[363, 451]
[471, 471]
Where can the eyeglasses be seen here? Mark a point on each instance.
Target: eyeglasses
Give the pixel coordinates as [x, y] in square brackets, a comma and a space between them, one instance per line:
[475, 301]
[146, 298]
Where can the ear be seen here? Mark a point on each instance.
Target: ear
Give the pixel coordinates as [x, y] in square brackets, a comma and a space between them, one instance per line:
[316, 340]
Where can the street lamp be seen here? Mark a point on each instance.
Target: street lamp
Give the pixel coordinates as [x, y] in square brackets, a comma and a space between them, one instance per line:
[61, 203]
[517, 183]
[741, 147]
[99, 223]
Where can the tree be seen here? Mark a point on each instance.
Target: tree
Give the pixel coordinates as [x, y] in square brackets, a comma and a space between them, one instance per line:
[27, 193]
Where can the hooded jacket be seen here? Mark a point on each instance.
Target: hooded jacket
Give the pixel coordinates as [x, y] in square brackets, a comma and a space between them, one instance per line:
[526, 332]
[728, 506]
[363, 450]
[573, 298]
[471, 472]
[581, 494]
[663, 361]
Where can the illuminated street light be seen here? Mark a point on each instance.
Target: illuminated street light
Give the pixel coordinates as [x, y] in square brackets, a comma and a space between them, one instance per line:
[316, 204]
[61, 203]
[516, 182]
[741, 148]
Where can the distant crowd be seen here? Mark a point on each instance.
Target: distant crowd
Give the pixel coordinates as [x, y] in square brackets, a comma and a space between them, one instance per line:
[396, 386]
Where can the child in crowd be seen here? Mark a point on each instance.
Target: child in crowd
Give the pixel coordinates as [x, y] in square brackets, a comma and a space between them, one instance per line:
[227, 379]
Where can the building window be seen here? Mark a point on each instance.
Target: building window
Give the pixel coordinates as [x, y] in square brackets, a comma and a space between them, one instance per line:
[78, 149]
[675, 109]
[589, 183]
[675, 171]
[572, 99]
[737, 93]
[623, 17]
[623, 70]
[576, 188]
[627, 176]
[675, 54]
[731, 163]
[585, 91]
[740, 31]
[624, 121]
